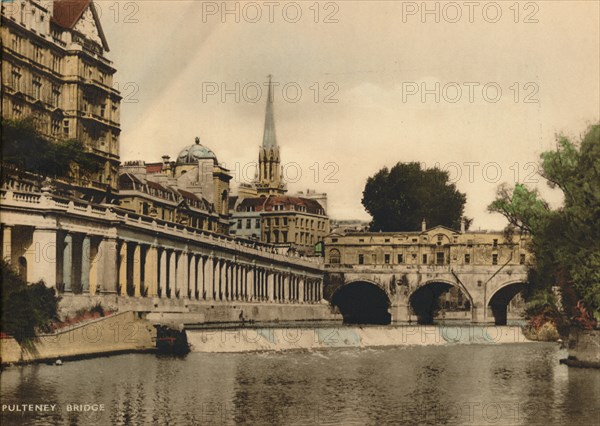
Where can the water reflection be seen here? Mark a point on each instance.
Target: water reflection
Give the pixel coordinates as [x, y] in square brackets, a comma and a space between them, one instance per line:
[463, 384]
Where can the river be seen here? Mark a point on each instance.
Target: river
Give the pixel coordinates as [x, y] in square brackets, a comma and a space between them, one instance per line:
[462, 384]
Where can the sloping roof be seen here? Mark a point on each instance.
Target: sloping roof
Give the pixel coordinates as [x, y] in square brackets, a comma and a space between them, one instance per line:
[232, 200]
[68, 12]
[154, 167]
[268, 204]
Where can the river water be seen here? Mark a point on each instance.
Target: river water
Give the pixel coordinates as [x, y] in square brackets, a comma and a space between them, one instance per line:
[462, 384]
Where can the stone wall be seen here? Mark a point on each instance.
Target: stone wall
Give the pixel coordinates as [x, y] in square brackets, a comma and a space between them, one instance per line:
[122, 332]
[584, 348]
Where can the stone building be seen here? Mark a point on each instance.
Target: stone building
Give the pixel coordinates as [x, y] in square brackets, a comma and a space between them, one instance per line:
[193, 190]
[55, 71]
[262, 210]
[428, 247]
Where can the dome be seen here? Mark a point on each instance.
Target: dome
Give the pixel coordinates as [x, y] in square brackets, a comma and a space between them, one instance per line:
[191, 154]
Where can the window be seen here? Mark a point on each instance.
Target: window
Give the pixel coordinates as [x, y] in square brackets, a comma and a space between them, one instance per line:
[334, 257]
[522, 259]
[55, 126]
[439, 258]
[38, 54]
[66, 128]
[276, 221]
[424, 259]
[239, 224]
[248, 223]
[334, 240]
[495, 242]
[361, 259]
[467, 259]
[414, 240]
[494, 259]
[17, 42]
[387, 240]
[400, 258]
[55, 63]
[17, 110]
[15, 77]
[386, 258]
[285, 221]
[257, 223]
[102, 110]
[55, 95]
[36, 86]
[361, 240]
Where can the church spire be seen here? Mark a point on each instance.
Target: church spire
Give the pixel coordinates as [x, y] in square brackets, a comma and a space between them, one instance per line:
[269, 137]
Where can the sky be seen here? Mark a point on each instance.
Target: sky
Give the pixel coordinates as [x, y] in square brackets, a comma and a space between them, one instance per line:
[479, 89]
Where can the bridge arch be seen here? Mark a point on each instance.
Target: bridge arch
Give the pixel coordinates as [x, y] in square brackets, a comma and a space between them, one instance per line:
[498, 301]
[424, 300]
[362, 302]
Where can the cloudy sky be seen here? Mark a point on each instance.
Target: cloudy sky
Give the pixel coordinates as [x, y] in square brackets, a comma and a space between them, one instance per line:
[480, 89]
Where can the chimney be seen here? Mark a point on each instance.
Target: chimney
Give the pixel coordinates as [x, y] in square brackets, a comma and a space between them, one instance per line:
[462, 225]
[424, 225]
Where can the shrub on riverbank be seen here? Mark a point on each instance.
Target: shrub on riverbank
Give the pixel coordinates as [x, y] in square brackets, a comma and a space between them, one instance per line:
[27, 309]
[546, 333]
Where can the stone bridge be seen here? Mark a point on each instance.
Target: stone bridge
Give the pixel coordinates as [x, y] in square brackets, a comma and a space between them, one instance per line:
[379, 277]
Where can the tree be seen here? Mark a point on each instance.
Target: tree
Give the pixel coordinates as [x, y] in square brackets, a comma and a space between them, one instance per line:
[26, 309]
[400, 198]
[24, 147]
[565, 241]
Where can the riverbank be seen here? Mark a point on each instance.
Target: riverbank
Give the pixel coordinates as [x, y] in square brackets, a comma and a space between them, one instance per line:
[115, 334]
[584, 348]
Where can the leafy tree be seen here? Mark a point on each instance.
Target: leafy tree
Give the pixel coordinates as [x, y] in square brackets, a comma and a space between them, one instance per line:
[24, 147]
[565, 241]
[26, 309]
[399, 199]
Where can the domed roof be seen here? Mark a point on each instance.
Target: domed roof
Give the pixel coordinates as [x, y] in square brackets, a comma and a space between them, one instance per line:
[191, 154]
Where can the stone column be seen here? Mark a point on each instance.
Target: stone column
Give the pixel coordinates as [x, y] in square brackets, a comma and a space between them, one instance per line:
[7, 243]
[123, 268]
[182, 274]
[287, 288]
[223, 280]
[68, 262]
[192, 281]
[172, 274]
[200, 273]
[85, 264]
[301, 291]
[93, 276]
[44, 267]
[250, 283]
[137, 270]
[162, 279]
[270, 285]
[151, 271]
[107, 269]
[209, 285]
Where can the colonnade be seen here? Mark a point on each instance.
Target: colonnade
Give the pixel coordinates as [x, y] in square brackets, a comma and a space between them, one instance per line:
[83, 263]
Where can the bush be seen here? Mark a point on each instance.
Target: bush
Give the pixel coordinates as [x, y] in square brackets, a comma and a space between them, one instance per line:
[26, 309]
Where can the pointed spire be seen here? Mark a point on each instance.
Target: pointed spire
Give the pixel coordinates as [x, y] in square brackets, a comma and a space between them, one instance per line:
[269, 137]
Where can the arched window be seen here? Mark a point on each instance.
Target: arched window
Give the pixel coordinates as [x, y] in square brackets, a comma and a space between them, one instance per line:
[334, 256]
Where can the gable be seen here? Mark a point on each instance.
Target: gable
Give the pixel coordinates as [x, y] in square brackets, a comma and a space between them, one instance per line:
[80, 16]
[86, 25]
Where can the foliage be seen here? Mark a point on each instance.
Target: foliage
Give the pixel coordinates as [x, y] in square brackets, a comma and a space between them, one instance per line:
[565, 241]
[400, 198]
[24, 147]
[26, 309]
